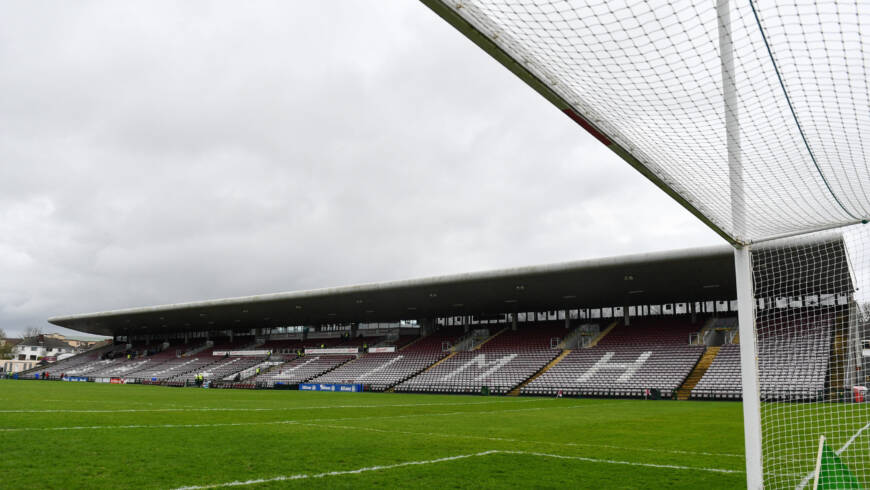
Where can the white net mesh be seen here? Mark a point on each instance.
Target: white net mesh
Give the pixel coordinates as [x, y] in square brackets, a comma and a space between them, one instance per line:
[648, 75]
[811, 323]
[755, 116]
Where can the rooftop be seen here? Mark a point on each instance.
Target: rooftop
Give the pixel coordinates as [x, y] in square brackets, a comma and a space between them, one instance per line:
[688, 275]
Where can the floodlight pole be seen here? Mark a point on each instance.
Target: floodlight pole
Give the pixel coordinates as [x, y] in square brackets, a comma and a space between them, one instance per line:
[742, 258]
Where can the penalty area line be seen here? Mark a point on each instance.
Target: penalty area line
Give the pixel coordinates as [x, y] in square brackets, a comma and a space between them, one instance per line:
[304, 476]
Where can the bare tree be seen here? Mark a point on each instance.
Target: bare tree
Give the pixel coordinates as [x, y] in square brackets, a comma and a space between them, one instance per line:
[5, 346]
[32, 332]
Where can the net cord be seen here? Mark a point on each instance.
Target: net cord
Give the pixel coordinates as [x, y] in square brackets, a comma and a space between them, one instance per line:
[794, 115]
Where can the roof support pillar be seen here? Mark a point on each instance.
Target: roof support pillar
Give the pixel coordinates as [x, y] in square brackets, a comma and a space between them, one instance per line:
[427, 326]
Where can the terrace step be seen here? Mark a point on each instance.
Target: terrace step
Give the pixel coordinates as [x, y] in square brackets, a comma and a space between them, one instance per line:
[571, 338]
[409, 344]
[490, 338]
[603, 334]
[98, 348]
[392, 389]
[253, 370]
[197, 350]
[708, 325]
[697, 373]
[333, 368]
[516, 391]
[439, 362]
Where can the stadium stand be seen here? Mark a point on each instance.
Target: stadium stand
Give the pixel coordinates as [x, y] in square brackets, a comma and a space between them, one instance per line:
[169, 368]
[793, 357]
[650, 354]
[300, 370]
[292, 346]
[70, 363]
[506, 360]
[141, 362]
[224, 367]
[399, 342]
[380, 371]
[793, 362]
[629, 361]
[216, 367]
[118, 368]
[722, 379]
[110, 359]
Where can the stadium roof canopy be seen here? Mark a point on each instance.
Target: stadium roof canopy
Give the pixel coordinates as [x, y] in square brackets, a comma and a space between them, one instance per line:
[699, 274]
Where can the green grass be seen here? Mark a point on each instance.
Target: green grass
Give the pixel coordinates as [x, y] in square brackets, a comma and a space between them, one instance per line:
[102, 436]
[791, 439]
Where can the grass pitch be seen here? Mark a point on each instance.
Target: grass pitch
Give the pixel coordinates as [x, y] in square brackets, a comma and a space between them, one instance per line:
[86, 435]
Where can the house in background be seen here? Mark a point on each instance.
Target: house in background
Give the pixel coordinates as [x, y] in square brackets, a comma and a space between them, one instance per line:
[28, 352]
[7, 364]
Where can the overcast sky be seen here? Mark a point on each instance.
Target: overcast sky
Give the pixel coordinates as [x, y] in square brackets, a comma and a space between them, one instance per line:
[158, 152]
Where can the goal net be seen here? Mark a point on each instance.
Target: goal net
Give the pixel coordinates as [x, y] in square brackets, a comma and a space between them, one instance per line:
[811, 317]
[753, 116]
[647, 79]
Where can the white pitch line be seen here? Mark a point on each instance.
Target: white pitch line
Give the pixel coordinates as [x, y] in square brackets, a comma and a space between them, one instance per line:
[852, 439]
[77, 400]
[184, 426]
[303, 476]
[438, 414]
[810, 475]
[627, 463]
[522, 441]
[142, 426]
[280, 409]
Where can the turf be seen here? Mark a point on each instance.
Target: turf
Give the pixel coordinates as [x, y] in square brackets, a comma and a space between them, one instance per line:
[75, 435]
[791, 439]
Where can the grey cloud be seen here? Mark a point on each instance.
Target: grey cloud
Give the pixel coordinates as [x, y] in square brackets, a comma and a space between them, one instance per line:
[164, 152]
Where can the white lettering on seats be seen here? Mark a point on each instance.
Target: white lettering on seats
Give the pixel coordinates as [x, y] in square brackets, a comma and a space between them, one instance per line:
[481, 363]
[381, 367]
[629, 368]
[285, 370]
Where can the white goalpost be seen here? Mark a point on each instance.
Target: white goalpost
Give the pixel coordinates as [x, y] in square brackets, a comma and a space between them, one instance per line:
[753, 116]
[749, 367]
[742, 260]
